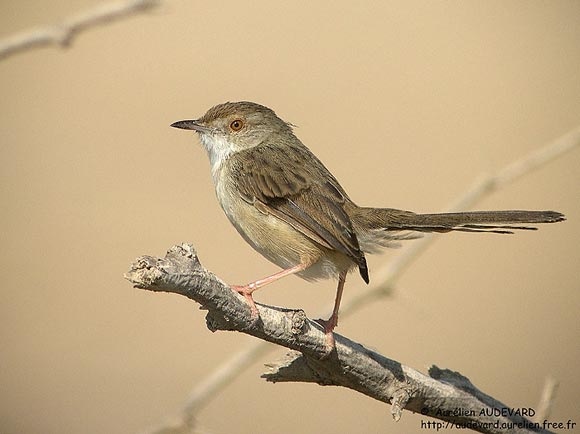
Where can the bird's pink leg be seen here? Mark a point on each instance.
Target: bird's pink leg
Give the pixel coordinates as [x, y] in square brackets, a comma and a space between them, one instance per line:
[248, 289]
[332, 322]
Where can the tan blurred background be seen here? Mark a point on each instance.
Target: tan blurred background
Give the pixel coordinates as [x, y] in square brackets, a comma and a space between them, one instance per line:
[407, 102]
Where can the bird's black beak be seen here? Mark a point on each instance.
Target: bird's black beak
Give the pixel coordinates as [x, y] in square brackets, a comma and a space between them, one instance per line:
[190, 125]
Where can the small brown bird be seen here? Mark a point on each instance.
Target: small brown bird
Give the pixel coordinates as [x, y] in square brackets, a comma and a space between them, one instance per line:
[287, 205]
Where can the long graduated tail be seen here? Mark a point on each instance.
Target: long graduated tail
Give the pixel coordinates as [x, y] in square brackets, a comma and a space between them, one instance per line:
[501, 222]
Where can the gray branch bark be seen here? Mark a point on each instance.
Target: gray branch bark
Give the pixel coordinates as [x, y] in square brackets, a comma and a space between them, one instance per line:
[443, 394]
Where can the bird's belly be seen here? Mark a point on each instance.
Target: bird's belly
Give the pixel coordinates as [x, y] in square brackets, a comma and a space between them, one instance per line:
[276, 240]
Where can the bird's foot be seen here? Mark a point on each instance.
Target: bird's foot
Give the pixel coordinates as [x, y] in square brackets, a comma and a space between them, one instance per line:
[246, 291]
[330, 344]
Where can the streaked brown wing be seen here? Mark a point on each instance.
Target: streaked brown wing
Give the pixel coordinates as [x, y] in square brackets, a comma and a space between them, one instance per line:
[301, 192]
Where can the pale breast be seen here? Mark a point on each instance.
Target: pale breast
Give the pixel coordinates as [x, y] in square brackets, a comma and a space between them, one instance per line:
[275, 239]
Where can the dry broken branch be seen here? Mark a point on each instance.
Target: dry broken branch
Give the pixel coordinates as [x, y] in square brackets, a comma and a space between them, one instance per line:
[63, 34]
[438, 395]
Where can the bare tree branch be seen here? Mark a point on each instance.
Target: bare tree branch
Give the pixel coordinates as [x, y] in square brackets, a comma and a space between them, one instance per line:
[62, 35]
[546, 400]
[438, 395]
[386, 277]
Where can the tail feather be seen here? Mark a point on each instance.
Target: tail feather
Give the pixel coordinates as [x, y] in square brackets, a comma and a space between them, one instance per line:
[491, 229]
[503, 222]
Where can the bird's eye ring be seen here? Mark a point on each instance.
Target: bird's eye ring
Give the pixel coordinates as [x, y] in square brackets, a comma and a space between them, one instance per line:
[236, 125]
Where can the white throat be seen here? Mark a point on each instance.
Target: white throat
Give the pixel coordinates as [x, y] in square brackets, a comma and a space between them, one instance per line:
[218, 149]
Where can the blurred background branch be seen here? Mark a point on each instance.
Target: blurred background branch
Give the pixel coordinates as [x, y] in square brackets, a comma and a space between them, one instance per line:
[62, 35]
[544, 408]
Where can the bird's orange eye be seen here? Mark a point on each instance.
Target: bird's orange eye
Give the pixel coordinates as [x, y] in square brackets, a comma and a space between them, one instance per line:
[236, 125]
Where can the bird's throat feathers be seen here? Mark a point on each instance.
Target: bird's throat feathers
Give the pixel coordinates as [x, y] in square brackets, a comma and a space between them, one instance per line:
[218, 150]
